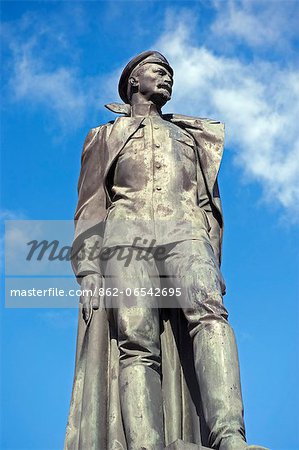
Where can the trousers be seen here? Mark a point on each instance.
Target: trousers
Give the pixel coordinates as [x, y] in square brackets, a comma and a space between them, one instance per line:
[193, 283]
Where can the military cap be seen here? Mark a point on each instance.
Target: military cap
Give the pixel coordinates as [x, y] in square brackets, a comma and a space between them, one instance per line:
[149, 56]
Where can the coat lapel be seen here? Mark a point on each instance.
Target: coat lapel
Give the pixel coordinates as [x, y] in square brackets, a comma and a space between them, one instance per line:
[122, 130]
[209, 137]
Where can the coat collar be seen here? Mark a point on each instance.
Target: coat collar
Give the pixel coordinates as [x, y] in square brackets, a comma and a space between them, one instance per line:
[126, 109]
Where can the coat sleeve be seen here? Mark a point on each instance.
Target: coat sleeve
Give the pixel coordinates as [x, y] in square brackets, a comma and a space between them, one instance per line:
[91, 207]
[215, 218]
[209, 138]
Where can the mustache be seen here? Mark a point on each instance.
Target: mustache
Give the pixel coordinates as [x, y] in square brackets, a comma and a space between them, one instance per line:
[167, 86]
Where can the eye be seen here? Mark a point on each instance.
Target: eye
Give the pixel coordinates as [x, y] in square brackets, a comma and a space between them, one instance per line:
[160, 71]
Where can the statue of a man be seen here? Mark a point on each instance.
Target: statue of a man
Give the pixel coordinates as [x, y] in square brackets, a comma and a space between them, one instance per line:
[146, 374]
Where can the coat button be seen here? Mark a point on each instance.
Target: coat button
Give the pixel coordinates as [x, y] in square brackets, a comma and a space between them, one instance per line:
[157, 145]
[158, 188]
[158, 165]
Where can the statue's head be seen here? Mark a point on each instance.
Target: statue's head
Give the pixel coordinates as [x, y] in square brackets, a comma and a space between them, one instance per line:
[149, 76]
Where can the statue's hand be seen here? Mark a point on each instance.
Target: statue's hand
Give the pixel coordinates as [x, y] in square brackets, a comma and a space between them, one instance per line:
[90, 287]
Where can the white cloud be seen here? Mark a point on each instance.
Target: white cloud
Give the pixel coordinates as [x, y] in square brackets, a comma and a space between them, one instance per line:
[19, 231]
[259, 103]
[28, 240]
[38, 78]
[6, 214]
[57, 89]
[257, 23]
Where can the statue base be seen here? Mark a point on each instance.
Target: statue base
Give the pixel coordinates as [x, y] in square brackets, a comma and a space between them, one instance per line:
[181, 445]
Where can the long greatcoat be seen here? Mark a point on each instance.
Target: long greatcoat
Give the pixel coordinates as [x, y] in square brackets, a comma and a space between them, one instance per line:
[95, 421]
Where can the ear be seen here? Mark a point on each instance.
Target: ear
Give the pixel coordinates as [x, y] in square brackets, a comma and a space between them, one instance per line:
[133, 81]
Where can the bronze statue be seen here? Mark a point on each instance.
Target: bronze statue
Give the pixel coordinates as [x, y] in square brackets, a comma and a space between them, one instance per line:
[152, 369]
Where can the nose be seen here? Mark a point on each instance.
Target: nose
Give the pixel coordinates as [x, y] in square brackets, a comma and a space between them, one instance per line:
[168, 79]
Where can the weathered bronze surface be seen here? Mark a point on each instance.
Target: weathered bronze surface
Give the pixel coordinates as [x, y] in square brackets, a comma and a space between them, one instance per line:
[152, 371]
[180, 445]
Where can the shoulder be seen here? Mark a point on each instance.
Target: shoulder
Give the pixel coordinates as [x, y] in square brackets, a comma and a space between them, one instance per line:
[96, 133]
[100, 129]
[192, 120]
[207, 127]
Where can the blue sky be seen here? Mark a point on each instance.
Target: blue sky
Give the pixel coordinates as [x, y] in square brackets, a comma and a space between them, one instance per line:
[236, 61]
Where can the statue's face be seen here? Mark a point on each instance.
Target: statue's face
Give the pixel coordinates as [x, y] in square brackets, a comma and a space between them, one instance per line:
[154, 83]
